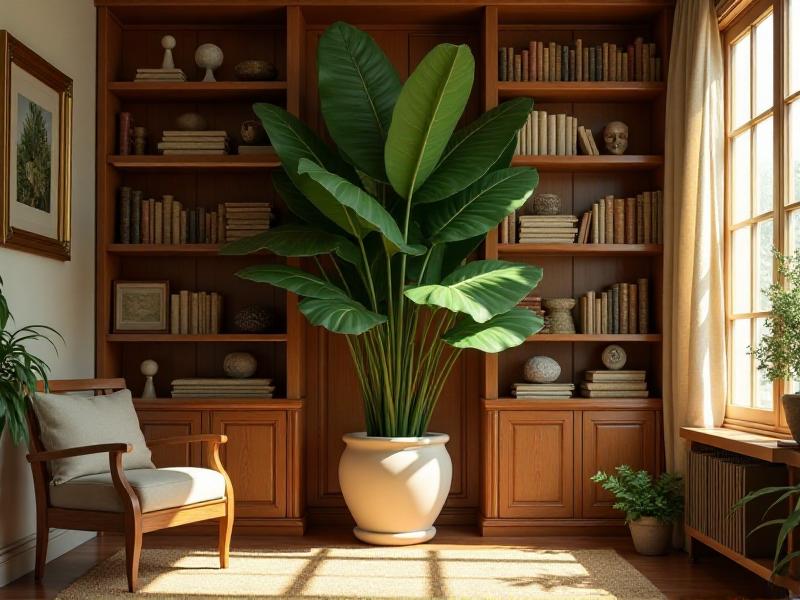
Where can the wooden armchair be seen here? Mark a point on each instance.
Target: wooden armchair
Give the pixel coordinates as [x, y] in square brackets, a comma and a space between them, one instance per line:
[132, 521]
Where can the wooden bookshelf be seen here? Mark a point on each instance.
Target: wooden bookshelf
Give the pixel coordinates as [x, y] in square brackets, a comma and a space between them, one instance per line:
[580, 163]
[217, 338]
[167, 250]
[581, 249]
[610, 338]
[582, 91]
[198, 91]
[156, 162]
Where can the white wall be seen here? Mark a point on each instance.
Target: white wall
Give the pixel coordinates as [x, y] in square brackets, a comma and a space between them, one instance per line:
[41, 290]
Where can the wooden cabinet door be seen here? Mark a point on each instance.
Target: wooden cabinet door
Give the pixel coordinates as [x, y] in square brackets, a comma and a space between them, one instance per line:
[255, 459]
[612, 438]
[158, 424]
[536, 464]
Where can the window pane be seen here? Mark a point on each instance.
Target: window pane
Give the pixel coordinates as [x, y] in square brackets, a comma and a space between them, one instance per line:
[764, 167]
[740, 270]
[740, 178]
[763, 65]
[794, 45]
[741, 362]
[764, 264]
[763, 397]
[794, 230]
[794, 150]
[740, 85]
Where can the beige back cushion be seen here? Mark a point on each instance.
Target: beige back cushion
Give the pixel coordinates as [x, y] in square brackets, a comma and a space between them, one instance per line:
[69, 421]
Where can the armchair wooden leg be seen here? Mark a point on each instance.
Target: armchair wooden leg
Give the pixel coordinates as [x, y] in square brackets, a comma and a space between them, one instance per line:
[133, 551]
[42, 537]
[225, 531]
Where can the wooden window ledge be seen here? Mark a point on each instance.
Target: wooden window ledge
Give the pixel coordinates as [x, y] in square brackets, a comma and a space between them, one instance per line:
[753, 445]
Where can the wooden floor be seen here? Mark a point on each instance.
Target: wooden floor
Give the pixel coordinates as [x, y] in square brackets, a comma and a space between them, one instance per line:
[710, 577]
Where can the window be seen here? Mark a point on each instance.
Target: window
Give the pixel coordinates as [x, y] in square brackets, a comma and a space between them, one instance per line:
[762, 49]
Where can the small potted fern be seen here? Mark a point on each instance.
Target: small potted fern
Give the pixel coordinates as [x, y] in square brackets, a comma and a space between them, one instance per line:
[19, 371]
[651, 506]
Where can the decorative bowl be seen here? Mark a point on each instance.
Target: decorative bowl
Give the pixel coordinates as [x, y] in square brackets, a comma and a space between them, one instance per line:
[546, 204]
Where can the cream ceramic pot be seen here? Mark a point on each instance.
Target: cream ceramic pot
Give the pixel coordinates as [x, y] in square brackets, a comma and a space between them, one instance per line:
[395, 487]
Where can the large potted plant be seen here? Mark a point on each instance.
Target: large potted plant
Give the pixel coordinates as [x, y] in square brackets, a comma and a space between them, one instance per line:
[389, 218]
[651, 506]
[778, 351]
[19, 371]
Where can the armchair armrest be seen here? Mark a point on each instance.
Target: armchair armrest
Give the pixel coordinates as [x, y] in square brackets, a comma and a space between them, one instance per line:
[209, 438]
[120, 448]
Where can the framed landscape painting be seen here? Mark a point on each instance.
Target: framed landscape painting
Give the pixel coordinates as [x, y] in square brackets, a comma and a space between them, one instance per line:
[141, 306]
[35, 152]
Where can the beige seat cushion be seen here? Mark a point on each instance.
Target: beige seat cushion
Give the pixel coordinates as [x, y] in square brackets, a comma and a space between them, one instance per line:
[156, 489]
[68, 421]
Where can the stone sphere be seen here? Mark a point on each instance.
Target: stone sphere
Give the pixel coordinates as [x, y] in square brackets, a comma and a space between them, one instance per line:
[239, 365]
[208, 56]
[149, 367]
[541, 369]
[614, 357]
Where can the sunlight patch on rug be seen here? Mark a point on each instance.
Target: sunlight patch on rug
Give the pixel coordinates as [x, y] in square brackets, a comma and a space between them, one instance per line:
[371, 572]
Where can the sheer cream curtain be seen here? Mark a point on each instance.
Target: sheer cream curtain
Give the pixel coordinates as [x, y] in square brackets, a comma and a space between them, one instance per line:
[694, 312]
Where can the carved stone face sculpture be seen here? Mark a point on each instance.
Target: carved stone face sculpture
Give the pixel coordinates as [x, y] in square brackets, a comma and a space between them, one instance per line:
[615, 136]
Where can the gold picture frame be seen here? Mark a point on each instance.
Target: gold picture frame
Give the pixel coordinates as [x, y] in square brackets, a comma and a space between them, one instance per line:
[35, 127]
[141, 307]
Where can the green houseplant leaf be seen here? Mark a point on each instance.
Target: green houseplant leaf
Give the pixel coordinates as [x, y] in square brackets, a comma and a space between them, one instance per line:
[497, 334]
[340, 315]
[427, 111]
[481, 289]
[295, 239]
[296, 202]
[294, 280]
[474, 149]
[358, 88]
[481, 206]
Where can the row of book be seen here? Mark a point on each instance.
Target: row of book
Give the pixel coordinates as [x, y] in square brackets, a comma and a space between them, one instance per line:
[547, 229]
[195, 313]
[632, 220]
[160, 75]
[553, 135]
[165, 221]
[539, 391]
[194, 142]
[534, 303]
[564, 62]
[623, 308]
[607, 383]
[201, 387]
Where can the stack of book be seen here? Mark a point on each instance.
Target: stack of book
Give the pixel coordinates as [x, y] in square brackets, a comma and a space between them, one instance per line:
[534, 303]
[548, 135]
[202, 387]
[547, 229]
[160, 75]
[245, 219]
[621, 309]
[614, 384]
[629, 220]
[194, 142]
[536, 391]
[195, 313]
[542, 61]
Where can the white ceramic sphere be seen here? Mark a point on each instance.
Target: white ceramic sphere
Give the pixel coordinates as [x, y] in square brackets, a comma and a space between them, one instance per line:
[208, 56]
[168, 42]
[541, 369]
[239, 365]
[149, 367]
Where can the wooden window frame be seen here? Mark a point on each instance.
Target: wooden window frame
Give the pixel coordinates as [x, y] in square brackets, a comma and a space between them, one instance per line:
[747, 417]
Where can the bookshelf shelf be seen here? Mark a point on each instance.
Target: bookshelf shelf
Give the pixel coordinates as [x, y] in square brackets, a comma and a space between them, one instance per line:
[582, 163]
[169, 250]
[155, 162]
[582, 91]
[611, 338]
[579, 403]
[197, 90]
[580, 249]
[260, 338]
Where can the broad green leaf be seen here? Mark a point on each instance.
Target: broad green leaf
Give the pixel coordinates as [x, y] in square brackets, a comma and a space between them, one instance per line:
[481, 206]
[455, 253]
[425, 115]
[340, 315]
[474, 149]
[504, 161]
[295, 201]
[293, 280]
[295, 240]
[497, 334]
[366, 209]
[481, 289]
[358, 88]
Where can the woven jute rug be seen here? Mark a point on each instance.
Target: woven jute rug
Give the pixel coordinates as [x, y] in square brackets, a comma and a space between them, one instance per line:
[371, 572]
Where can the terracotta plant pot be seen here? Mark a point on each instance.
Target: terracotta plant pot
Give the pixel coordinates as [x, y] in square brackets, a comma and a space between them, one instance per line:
[791, 408]
[651, 537]
[395, 487]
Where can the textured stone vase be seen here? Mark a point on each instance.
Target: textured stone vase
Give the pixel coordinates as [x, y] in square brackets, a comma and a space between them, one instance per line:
[791, 408]
[559, 313]
[395, 487]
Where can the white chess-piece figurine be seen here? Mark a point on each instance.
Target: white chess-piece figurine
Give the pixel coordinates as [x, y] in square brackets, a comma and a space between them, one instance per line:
[208, 57]
[149, 368]
[168, 43]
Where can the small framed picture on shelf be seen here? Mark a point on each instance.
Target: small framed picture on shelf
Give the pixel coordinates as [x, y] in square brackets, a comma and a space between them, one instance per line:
[35, 152]
[141, 306]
